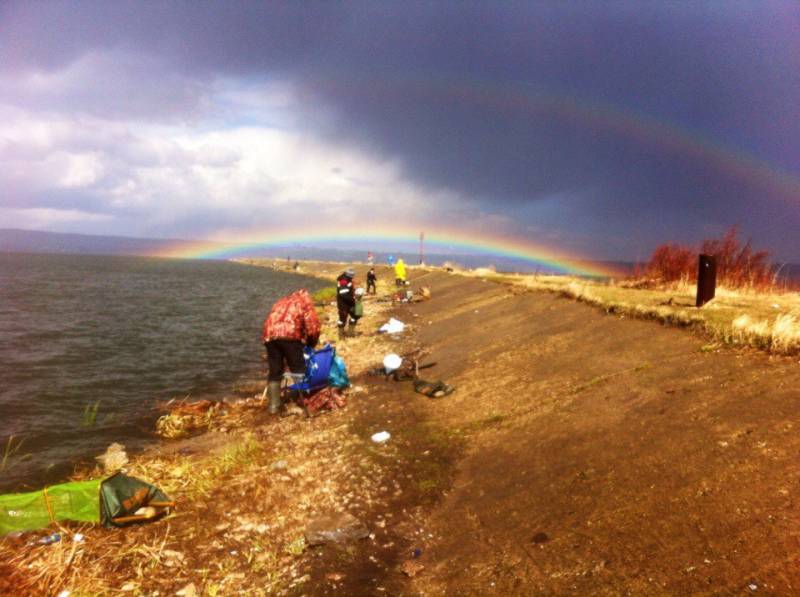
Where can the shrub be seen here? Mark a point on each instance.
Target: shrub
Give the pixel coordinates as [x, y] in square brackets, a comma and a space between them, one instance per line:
[738, 265]
[670, 263]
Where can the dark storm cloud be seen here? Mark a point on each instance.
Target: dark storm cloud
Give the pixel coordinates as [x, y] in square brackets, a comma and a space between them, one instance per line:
[467, 96]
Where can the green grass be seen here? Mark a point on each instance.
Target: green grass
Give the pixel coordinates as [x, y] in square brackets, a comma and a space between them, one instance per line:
[323, 296]
[296, 547]
[239, 454]
[90, 414]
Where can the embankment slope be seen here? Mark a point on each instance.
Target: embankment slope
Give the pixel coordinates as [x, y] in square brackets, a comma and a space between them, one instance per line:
[606, 455]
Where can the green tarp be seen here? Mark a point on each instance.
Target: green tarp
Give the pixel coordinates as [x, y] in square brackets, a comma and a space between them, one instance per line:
[69, 501]
[83, 501]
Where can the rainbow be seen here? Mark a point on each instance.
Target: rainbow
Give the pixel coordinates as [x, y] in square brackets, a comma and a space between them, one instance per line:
[517, 98]
[521, 98]
[442, 241]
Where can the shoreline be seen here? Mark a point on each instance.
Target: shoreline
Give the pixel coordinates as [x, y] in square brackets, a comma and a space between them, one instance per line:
[570, 432]
[128, 414]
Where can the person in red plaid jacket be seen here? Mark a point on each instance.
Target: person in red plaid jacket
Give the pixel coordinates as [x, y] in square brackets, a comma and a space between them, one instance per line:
[291, 324]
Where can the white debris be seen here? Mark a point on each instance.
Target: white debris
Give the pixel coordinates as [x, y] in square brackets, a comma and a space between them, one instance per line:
[381, 437]
[393, 326]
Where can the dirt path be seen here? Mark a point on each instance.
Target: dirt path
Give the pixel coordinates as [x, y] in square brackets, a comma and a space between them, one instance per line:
[604, 455]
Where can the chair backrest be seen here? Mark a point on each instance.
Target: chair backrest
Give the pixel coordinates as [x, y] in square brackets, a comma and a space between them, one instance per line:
[318, 367]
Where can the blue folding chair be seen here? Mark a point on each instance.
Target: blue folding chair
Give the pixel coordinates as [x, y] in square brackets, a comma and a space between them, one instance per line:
[318, 368]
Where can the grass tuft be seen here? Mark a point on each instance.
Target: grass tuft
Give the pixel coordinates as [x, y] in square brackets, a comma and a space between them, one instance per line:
[9, 451]
[324, 296]
[90, 414]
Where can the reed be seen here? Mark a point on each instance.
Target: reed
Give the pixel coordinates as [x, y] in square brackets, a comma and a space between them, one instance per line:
[9, 451]
[90, 414]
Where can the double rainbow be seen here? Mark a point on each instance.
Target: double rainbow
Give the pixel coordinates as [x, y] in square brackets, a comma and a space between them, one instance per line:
[592, 114]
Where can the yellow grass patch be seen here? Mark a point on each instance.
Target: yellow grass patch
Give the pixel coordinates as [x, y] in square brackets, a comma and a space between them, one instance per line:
[742, 316]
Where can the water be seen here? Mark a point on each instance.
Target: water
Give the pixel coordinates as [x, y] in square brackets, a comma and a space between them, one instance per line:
[124, 331]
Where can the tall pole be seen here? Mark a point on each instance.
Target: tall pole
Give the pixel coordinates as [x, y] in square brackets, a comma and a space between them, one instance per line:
[422, 248]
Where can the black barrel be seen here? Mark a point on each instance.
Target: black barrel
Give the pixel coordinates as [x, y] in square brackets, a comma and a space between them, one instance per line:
[706, 279]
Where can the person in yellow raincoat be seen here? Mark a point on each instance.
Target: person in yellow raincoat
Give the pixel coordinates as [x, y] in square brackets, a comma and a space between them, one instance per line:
[400, 273]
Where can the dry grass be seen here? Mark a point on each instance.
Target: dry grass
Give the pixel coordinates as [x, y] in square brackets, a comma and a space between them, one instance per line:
[745, 317]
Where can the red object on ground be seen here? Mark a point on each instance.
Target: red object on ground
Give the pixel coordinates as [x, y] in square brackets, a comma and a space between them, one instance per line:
[326, 399]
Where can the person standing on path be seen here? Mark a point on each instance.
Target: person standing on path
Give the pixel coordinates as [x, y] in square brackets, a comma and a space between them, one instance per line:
[400, 273]
[371, 281]
[292, 323]
[345, 299]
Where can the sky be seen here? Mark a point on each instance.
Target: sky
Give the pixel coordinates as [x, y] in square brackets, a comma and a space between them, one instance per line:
[598, 128]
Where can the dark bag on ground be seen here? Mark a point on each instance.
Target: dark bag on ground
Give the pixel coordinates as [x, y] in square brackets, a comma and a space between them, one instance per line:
[121, 496]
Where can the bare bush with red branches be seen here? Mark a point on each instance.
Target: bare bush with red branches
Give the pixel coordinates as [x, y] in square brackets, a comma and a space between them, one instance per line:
[671, 263]
[738, 265]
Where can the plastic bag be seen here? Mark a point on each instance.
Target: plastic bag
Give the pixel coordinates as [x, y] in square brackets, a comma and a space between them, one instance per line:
[337, 378]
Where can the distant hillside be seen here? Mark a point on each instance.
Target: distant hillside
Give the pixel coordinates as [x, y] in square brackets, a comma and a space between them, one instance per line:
[32, 241]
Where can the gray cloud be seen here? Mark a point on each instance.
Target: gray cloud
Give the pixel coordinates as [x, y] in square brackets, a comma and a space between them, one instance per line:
[471, 98]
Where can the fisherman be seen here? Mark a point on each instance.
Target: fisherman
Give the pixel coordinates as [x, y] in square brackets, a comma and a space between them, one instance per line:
[400, 273]
[357, 312]
[292, 323]
[345, 299]
[371, 281]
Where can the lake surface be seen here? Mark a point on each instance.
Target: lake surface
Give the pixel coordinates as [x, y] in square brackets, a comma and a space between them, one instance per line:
[124, 332]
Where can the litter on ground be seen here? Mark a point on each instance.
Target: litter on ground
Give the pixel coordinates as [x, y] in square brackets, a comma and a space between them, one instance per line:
[393, 326]
[392, 362]
[433, 389]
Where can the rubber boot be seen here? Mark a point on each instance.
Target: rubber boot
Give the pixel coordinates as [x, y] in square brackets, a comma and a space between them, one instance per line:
[292, 407]
[274, 393]
[295, 378]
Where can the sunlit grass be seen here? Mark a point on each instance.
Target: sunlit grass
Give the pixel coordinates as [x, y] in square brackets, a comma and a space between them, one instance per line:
[746, 316]
[325, 295]
[239, 455]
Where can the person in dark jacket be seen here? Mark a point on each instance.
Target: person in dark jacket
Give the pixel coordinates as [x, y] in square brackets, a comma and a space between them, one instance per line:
[371, 281]
[345, 300]
[292, 322]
